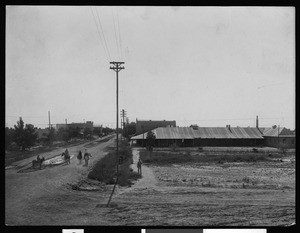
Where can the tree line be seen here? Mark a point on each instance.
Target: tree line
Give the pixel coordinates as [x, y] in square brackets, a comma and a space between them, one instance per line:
[24, 136]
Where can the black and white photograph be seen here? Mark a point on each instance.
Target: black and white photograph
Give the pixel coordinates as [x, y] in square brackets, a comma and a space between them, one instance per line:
[150, 116]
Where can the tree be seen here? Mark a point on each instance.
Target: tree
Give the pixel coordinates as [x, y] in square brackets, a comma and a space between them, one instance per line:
[107, 130]
[87, 132]
[19, 133]
[74, 132]
[129, 130]
[63, 134]
[30, 135]
[150, 140]
[9, 136]
[25, 137]
[51, 135]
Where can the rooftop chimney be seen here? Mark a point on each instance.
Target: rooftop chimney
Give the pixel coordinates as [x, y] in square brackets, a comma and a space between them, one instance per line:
[228, 126]
[257, 122]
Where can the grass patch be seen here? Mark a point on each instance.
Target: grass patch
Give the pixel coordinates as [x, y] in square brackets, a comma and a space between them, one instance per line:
[105, 169]
[184, 157]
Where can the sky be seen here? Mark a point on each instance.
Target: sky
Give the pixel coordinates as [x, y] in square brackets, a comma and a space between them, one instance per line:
[210, 66]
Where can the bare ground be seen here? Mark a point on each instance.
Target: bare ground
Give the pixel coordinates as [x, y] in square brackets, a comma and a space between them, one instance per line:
[237, 194]
[244, 194]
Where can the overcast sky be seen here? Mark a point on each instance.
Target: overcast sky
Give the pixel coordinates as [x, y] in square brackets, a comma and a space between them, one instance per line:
[210, 66]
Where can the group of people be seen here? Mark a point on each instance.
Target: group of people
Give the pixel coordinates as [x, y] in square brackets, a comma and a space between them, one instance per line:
[86, 157]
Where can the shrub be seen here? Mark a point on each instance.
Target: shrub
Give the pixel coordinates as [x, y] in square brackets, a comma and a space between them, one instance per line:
[105, 169]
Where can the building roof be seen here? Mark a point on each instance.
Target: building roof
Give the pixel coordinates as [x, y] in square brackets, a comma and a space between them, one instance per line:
[246, 132]
[203, 132]
[273, 132]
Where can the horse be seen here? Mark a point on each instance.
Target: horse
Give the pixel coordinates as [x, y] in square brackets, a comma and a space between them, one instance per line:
[36, 162]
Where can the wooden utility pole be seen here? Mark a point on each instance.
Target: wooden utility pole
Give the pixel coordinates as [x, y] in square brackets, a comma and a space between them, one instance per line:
[49, 120]
[123, 115]
[278, 137]
[116, 67]
[121, 130]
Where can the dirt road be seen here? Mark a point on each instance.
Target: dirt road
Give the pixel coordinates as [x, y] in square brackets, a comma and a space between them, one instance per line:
[43, 196]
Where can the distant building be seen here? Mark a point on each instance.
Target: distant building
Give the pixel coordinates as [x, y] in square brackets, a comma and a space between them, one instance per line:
[220, 136]
[147, 125]
[81, 126]
[279, 137]
[58, 126]
[204, 136]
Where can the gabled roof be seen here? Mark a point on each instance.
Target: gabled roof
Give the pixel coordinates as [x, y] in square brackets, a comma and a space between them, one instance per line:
[246, 132]
[273, 132]
[203, 132]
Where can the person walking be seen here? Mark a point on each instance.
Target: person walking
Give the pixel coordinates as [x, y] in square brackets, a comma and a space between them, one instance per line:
[139, 166]
[79, 157]
[86, 157]
[67, 156]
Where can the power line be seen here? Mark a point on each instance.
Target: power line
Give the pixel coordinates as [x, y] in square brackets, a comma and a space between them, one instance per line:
[27, 116]
[103, 33]
[119, 34]
[99, 34]
[115, 33]
[262, 118]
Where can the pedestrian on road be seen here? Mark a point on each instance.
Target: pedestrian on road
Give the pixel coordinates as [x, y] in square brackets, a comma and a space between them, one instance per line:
[79, 157]
[67, 156]
[139, 166]
[86, 157]
[67, 152]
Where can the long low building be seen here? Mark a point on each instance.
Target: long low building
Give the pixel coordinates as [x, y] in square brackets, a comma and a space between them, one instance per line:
[204, 136]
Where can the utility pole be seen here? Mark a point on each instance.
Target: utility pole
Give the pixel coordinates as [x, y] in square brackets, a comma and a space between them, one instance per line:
[49, 121]
[126, 129]
[123, 115]
[116, 67]
[278, 136]
[121, 130]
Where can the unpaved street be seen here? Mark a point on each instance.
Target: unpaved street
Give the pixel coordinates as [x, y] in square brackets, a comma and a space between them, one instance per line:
[43, 196]
[229, 194]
